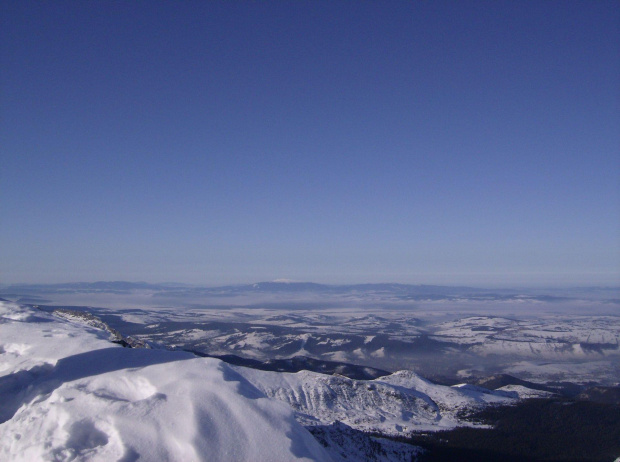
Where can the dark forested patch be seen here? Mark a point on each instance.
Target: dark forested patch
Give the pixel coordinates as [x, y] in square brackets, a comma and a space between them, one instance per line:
[535, 430]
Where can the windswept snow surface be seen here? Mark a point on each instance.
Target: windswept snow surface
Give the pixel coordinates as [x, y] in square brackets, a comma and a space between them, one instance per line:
[67, 394]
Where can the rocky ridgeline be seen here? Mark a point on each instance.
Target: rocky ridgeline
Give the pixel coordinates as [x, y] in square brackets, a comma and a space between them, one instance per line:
[91, 320]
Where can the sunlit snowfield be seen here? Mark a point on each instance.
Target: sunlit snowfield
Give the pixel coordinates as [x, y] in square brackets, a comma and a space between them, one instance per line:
[439, 332]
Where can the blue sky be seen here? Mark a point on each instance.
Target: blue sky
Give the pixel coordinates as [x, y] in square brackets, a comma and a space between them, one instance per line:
[217, 142]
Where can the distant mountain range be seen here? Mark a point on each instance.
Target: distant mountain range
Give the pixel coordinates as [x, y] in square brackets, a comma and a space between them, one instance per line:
[392, 292]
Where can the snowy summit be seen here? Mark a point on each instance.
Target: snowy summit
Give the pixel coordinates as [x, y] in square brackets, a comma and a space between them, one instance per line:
[68, 393]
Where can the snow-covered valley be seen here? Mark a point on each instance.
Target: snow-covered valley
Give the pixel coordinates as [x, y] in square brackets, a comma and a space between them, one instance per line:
[573, 340]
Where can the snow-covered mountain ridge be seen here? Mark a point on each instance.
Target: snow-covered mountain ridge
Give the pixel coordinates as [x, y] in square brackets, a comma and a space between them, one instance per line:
[70, 394]
[394, 405]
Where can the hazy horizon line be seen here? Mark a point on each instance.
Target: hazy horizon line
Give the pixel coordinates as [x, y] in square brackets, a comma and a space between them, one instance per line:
[481, 285]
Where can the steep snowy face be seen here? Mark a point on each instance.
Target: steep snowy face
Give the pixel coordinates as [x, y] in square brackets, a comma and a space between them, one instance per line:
[393, 405]
[69, 394]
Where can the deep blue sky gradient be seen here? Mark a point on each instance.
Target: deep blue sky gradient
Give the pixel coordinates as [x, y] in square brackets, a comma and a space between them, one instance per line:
[334, 141]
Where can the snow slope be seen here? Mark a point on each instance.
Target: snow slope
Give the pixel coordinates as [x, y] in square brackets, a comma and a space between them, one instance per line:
[527, 393]
[70, 394]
